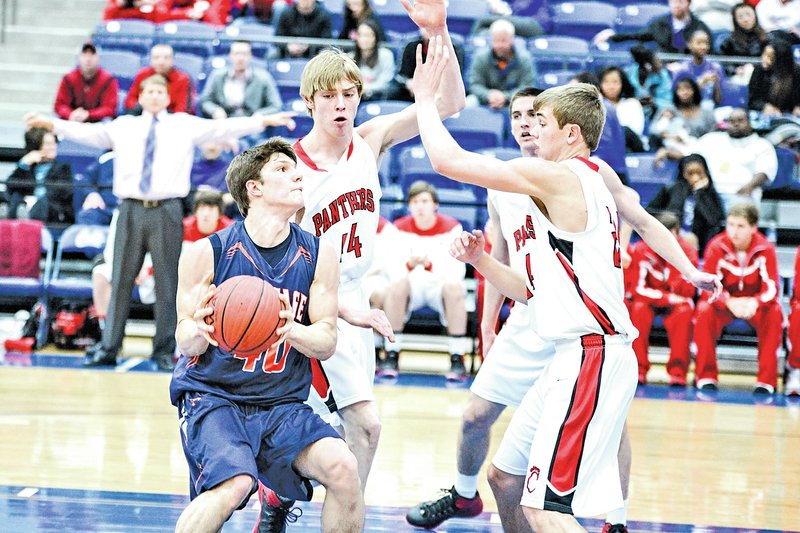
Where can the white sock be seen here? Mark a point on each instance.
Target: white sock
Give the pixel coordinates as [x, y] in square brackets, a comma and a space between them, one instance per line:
[395, 346]
[466, 486]
[618, 516]
[456, 345]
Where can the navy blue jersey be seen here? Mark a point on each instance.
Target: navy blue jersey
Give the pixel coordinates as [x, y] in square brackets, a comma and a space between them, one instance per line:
[279, 375]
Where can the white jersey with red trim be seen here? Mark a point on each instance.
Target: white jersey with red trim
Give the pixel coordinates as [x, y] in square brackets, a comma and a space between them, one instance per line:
[342, 205]
[574, 280]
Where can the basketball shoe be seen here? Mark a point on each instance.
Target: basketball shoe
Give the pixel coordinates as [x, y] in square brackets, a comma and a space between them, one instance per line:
[791, 382]
[615, 528]
[457, 371]
[432, 513]
[388, 367]
[275, 512]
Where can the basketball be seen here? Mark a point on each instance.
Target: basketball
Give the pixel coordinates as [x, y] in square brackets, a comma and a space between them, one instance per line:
[245, 316]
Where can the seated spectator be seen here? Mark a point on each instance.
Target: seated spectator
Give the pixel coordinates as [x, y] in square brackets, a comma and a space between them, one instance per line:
[740, 161]
[99, 204]
[780, 18]
[240, 90]
[356, 12]
[208, 216]
[617, 89]
[500, 70]
[660, 289]
[775, 85]
[304, 18]
[748, 38]
[400, 87]
[694, 200]
[670, 32]
[209, 11]
[211, 164]
[179, 85]
[709, 75]
[263, 11]
[675, 130]
[375, 61]
[434, 278]
[651, 81]
[41, 181]
[747, 265]
[791, 382]
[715, 13]
[88, 93]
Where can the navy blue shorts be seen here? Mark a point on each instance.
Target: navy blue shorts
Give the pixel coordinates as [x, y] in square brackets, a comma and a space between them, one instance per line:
[222, 439]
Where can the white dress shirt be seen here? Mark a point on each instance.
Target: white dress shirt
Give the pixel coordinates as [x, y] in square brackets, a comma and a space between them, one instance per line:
[177, 134]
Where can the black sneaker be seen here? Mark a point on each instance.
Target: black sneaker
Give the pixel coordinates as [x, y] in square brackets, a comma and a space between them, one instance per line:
[430, 514]
[457, 371]
[388, 367]
[275, 513]
[615, 528]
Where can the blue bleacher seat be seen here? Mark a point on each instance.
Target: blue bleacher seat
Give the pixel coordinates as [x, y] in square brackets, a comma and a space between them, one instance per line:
[582, 19]
[76, 239]
[477, 127]
[556, 77]
[385, 169]
[336, 9]
[734, 94]
[121, 95]
[635, 17]
[787, 170]
[303, 122]
[122, 64]
[189, 36]
[194, 66]
[462, 14]
[287, 74]
[256, 33]
[79, 156]
[393, 16]
[646, 178]
[415, 165]
[368, 110]
[125, 34]
[460, 204]
[559, 52]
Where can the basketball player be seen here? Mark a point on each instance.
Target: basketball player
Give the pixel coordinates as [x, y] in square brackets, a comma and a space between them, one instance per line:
[573, 235]
[244, 419]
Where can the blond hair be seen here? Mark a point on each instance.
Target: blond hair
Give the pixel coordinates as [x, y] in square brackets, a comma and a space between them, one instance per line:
[155, 79]
[745, 210]
[326, 69]
[579, 104]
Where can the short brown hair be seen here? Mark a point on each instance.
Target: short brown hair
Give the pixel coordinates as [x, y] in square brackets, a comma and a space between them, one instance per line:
[523, 93]
[327, 69]
[209, 198]
[155, 79]
[669, 220]
[247, 166]
[579, 104]
[745, 210]
[419, 187]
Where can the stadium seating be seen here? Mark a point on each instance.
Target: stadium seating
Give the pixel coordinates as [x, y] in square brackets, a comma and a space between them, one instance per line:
[287, 74]
[646, 177]
[477, 127]
[462, 14]
[123, 64]
[368, 110]
[194, 66]
[559, 52]
[132, 35]
[415, 165]
[787, 170]
[20, 272]
[254, 32]
[583, 19]
[86, 240]
[79, 156]
[393, 16]
[733, 94]
[189, 36]
[635, 17]
[303, 122]
[336, 9]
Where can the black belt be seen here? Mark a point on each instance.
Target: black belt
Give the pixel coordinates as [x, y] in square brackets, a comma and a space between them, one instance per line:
[150, 203]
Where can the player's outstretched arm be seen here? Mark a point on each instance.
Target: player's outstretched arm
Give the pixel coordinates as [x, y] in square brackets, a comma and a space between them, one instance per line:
[195, 290]
[469, 248]
[654, 233]
[93, 134]
[492, 299]
[318, 339]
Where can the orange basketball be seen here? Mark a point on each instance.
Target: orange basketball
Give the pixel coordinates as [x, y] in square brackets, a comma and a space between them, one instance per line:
[245, 315]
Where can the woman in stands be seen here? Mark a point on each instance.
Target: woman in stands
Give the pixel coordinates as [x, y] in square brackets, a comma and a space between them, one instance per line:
[43, 180]
[650, 79]
[694, 200]
[747, 39]
[375, 61]
[675, 129]
[775, 84]
[356, 12]
[617, 89]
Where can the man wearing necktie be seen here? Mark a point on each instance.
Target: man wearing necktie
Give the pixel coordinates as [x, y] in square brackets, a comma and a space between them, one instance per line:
[154, 154]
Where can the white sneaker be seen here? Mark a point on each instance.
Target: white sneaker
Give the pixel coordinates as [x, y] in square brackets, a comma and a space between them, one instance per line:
[791, 387]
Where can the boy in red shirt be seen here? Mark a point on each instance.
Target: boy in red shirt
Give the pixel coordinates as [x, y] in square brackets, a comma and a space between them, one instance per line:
[747, 264]
[207, 217]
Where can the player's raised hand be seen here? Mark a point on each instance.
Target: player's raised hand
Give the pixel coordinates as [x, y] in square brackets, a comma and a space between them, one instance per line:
[429, 14]
[282, 118]
[468, 247]
[287, 315]
[705, 281]
[428, 74]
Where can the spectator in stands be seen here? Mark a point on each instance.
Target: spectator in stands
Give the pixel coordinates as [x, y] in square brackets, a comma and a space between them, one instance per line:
[99, 203]
[208, 216]
[709, 75]
[748, 38]
[151, 177]
[775, 84]
[747, 264]
[670, 32]
[675, 130]
[211, 164]
[780, 18]
[88, 93]
[240, 90]
[263, 11]
[694, 200]
[651, 81]
[181, 90]
[356, 12]
[740, 161]
[791, 380]
[42, 179]
[434, 278]
[617, 89]
[209, 11]
[400, 87]
[304, 18]
[375, 61]
[660, 289]
[500, 70]
[715, 13]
